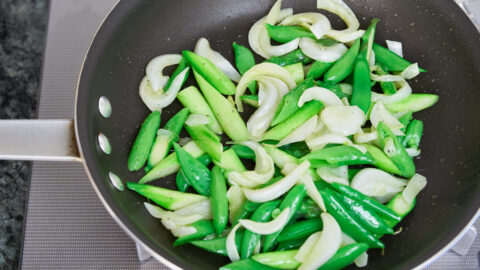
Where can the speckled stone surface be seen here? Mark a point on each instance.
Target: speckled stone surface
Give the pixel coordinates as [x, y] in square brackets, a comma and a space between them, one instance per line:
[22, 35]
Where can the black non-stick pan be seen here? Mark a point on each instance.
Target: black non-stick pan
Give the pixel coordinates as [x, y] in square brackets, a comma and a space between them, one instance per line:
[435, 33]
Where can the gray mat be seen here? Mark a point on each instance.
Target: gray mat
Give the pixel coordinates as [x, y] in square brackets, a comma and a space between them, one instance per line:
[66, 225]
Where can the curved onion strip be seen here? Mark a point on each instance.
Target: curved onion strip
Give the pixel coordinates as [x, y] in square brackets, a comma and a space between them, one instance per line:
[338, 175]
[159, 100]
[155, 211]
[202, 206]
[341, 9]
[346, 88]
[307, 246]
[381, 114]
[318, 23]
[360, 261]
[410, 72]
[327, 97]
[231, 246]
[401, 94]
[235, 199]
[395, 47]
[312, 191]
[260, 120]
[365, 137]
[371, 60]
[263, 69]
[203, 49]
[412, 152]
[173, 219]
[300, 133]
[196, 119]
[378, 184]
[277, 189]
[345, 120]
[322, 53]
[154, 69]
[316, 143]
[183, 231]
[326, 246]
[414, 186]
[270, 227]
[385, 78]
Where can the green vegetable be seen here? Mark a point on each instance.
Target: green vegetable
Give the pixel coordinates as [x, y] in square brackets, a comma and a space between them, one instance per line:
[380, 160]
[368, 38]
[218, 245]
[390, 60]
[210, 72]
[299, 117]
[335, 88]
[400, 206]
[243, 151]
[224, 111]
[344, 256]
[300, 230]
[180, 67]
[404, 120]
[230, 162]
[388, 88]
[344, 66]
[309, 209]
[413, 134]
[339, 155]
[289, 103]
[296, 70]
[245, 211]
[279, 157]
[284, 33]
[278, 259]
[202, 227]
[144, 141]
[182, 181]
[297, 149]
[218, 200]
[244, 60]
[362, 92]
[166, 198]
[413, 103]
[191, 98]
[290, 244]
[247, 264]
[251, 100]
[250, 239]
[206, 140]
[197, 174]
[292, 57]
[318, 69]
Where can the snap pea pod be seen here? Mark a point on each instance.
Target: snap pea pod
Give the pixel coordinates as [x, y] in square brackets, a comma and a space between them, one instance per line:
[230, 162]
[287, 33]
[309, 209]
[290, 244]
[299, 117]
[346, 221]
[338, 155]
[244, 60]
[278, 259]
[300, 230]
[218, 200]
[298, 149]
[344, 66]
[289, 103]
[243, 151]
[368, 38]
[180, 67]
[246, 264]
[246, 209]
[405, 120]
[400, 207]
[206, 140]
[362, 92]
[344, 256]
[144, 141]
[218, 245]
[292, 200]
[353, 172]
[292, 57]
[413, 134]
[202, 229]
[388, 88]
[390, 60]
[335, 88]
[251, 239]
[182, 181]
[296, 71]
[395, 150]
[380, 160]
[366, 200]
[413, 103]
[212, 74]
[251, 100]
[318, 68]
[198, 175]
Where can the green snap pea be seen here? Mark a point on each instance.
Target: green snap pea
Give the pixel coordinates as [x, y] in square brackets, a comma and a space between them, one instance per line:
[218, 200]
[309, 209]
[300, 230]
[182, 181]
[291, 244]
[292, 57]
[394, 149]
[413, 134]
[202, 229]
[339, 155]
[247, 264]
[353, 172]
[251, 100]
[198, 175]
[243, 151]
[180, 67]
[318, 68]
[368, 38]
[246, 209]
[346, 221]
[293, 201]
[390, 60]
[278, 259]
[344, 256]
[388, 88]
[289, 103]
[414, 103]
[144, 141]
[380, 160]
[344, 66]
[244, 60]
[405, 120]
[298, 149]
[251, 239]
[206, 140]
[287, 33]
[362, 91]
[218, 245]
[335, 88]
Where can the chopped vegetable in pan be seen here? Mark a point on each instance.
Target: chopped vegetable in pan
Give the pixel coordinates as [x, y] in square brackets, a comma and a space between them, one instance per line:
[319, 172]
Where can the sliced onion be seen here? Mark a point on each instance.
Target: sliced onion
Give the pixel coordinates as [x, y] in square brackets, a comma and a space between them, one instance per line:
[235, 199]
[300, 133]
[341, 9]
[155, 211]
[413, 152]
[345, 120]
[203, 49]
[411, 71]
[338, 174]
[268, 99]
[395, 47]
[277, 189]
[159, 100]
[378, 184]
[326, 246]
[196, 119]
[154, 70]
[312, 191]
[231, 246]
[385, 78]
[318, 23]
[346, 88]
[414, 186]
[307, 246]
[173, 219]
[327, 97]
[201, 207]
[316, 143]
[381, 114]
[366, 136]
[183, 231]
[402, 93]
[360, 261]
[322, 53]
[270, 227]
[371, 60]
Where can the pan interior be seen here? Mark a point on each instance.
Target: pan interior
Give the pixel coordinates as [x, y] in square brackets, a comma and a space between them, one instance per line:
[434, 33]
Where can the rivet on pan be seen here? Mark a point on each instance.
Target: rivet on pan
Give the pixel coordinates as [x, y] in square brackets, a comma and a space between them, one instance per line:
[104, 143]
[116, 182]
[104, 106]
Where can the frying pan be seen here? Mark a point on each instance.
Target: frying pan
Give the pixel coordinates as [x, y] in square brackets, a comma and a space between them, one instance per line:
[437, 34]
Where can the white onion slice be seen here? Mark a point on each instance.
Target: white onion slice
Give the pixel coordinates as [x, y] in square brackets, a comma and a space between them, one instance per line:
[381, 114]
[277, 189]
[327, 97]
[300, 133]
[203, 49]
[202, 207]
[316, 143]
[395, 46]
[270, 227]
[196, 119]
[231, 246]
[154, 70]
[318, 23]
[155, 211]
[345, 120]
[322, 53]
[414, 186]
[411, 71]
[346, 88]
[338, 174]
[412, 152]
[312, 191]
[268, 99]
[307, 246]
[378, 184]
[360, 261]
[183, 231]
[341, 9]
[366, 136]
[326, 246]
[159, 100]
[235, 199]
[402, 93]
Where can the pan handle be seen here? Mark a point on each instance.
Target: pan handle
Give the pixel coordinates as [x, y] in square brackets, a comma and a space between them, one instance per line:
[46, 140]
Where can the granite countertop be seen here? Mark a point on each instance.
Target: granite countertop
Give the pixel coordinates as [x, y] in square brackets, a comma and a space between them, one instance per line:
[22, 41]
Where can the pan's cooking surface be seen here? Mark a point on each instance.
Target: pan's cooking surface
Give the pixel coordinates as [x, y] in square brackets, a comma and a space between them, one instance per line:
[434, 33]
